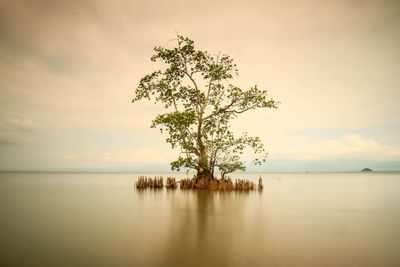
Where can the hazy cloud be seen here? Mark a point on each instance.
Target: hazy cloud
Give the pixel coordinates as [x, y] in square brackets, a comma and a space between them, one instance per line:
[70, 157]
[14, 131]
[348, 146]
[67, 65]
[145, 155]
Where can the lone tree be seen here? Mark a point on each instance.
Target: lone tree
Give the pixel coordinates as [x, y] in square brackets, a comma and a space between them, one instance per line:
[200, 102]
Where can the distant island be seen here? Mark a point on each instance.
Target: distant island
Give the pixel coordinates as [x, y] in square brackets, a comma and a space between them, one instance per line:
[366, 170]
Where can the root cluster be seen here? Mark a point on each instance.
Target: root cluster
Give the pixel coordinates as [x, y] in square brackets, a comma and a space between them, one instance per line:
[171, 183]
[144, 182]
[222, 184]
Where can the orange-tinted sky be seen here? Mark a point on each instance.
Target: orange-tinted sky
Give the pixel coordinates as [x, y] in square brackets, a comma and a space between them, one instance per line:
[68, 70]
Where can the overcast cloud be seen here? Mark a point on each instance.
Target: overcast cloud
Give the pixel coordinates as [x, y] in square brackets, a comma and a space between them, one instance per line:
[68, 70]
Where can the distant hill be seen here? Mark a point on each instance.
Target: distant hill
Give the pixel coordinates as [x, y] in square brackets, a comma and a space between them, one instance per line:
[366, 170]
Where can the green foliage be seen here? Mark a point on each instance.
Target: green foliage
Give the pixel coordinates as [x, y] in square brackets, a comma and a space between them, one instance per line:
[200, 101]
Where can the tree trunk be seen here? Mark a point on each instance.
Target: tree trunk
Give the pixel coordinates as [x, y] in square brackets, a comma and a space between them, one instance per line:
[204, 173]
[204, 176]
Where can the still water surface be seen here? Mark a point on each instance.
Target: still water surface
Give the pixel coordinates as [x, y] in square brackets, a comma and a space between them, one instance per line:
[92, 219]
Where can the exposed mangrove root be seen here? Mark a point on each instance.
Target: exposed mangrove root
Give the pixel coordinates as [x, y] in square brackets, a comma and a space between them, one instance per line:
[244, 185]
[171, 183]
[223, 184]
[188, 183]
[260, 184]
[144, 182]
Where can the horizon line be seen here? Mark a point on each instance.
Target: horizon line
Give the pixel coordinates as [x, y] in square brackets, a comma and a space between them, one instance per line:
[121, 171]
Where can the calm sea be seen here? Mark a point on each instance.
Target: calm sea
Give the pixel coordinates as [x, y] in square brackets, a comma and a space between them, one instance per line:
[299, 219]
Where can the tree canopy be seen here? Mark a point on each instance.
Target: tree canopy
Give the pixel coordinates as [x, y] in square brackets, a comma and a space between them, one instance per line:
[200, 103]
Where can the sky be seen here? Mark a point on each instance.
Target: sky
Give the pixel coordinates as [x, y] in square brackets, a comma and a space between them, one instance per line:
[68, 71]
